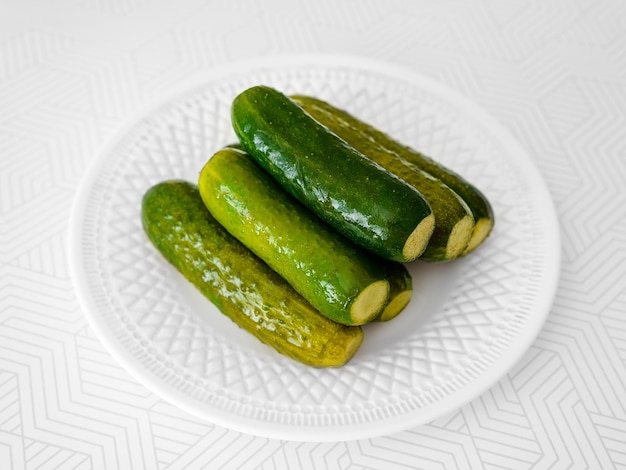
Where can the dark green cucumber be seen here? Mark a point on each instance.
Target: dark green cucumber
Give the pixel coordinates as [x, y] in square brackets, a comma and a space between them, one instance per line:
[357, 197]
[339, 279]
[242, 286]
[476, 201]
[454, 222]
[400, 289]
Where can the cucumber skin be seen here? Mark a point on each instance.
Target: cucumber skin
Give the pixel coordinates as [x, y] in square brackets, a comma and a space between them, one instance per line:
[478, 204]
[448, 207]
[324, 267]
[231, 277]
[358, 198]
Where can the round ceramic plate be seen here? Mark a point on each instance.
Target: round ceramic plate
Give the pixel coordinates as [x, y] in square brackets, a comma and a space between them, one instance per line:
[468, 323]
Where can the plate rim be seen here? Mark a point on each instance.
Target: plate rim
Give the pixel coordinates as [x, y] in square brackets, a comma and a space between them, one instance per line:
[330, 433]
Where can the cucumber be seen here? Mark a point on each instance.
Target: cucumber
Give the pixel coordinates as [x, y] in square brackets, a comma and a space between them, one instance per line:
[478, 204]
[454, 221]
[400, 289]
[400, 281]
[243, 287]
[339, 279]
[354, 195]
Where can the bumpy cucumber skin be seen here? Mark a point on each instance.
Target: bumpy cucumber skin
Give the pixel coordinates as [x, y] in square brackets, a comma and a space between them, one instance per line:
[242, 286]
[324, 267]
[365, 203]
[448, 207]
[476, 201]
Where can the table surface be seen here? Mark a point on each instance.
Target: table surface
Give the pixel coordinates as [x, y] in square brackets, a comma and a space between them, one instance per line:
[71, 72]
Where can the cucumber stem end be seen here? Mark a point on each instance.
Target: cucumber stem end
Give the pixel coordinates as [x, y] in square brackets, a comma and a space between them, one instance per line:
[482, 229]
[370, 302]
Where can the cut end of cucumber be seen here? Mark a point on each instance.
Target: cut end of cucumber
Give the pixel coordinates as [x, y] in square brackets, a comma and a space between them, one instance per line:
[396, 306]
[481, 230]
[341, 348]
[460, 237]
[418, 240]
[369, 302]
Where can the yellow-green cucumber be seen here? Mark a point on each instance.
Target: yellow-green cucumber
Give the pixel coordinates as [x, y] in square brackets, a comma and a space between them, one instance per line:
[242, 286]
[476, 201]
[358, 198]
[400, 281]
[341, 280]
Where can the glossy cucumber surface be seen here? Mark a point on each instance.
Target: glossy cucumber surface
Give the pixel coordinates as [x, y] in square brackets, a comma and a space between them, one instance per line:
[454, 221]
[476, 201]
[354, 195]
[241, 286]
[338, 278]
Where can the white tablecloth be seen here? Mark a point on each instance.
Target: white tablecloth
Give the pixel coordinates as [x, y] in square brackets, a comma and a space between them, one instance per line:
[71, 71]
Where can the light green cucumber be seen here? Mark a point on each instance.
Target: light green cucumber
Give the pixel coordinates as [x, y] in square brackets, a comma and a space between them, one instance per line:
[400, 281]
[338, 278]
[242, 287]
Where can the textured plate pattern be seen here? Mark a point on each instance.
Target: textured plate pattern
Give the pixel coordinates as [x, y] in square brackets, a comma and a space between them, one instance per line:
[469, 321]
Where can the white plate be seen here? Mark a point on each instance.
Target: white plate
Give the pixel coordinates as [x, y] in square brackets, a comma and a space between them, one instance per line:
[468, 323]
